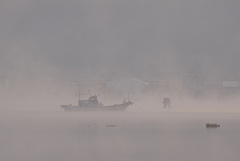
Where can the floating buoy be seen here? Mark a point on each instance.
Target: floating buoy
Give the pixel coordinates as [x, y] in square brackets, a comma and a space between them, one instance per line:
[208, 125]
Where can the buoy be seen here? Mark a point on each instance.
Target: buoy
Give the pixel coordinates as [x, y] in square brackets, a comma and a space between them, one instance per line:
[208, 125]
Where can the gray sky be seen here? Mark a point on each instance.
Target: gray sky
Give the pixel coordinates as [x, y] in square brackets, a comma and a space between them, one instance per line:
[111, 38]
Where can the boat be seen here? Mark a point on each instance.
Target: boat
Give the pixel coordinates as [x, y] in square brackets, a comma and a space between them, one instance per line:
[92, 104]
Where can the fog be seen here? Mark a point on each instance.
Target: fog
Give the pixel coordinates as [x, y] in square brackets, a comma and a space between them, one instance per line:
[187, 50]
[153, 40]
[44, 43]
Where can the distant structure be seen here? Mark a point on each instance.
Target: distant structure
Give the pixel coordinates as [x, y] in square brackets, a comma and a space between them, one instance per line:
[230, 88]
[124, 85]
[166, 102]
[193, 84]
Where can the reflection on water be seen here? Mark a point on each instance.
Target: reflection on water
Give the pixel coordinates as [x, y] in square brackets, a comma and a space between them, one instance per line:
[168, 136]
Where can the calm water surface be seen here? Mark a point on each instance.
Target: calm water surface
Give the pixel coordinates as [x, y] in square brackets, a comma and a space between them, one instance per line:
[124, 136]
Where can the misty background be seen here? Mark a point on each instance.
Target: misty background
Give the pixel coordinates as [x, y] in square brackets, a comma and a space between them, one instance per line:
[45, 42]
[188, 50]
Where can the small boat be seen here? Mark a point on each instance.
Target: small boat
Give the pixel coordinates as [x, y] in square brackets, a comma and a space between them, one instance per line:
[92, 104]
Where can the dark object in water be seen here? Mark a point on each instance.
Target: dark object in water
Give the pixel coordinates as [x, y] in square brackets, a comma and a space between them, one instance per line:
[208, 125]
[111, 125]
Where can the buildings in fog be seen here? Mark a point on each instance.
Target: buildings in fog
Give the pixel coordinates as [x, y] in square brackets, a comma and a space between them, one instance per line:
[191, 85]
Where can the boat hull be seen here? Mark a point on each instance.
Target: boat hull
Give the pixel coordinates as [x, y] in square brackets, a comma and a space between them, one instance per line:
[116, 107]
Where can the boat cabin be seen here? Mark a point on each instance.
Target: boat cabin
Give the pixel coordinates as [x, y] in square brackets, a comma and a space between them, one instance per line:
[92, 101]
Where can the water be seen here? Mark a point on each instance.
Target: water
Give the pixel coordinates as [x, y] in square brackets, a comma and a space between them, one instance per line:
[128, 136]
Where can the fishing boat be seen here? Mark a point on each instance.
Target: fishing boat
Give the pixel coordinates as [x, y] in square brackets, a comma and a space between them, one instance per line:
[92, 104]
